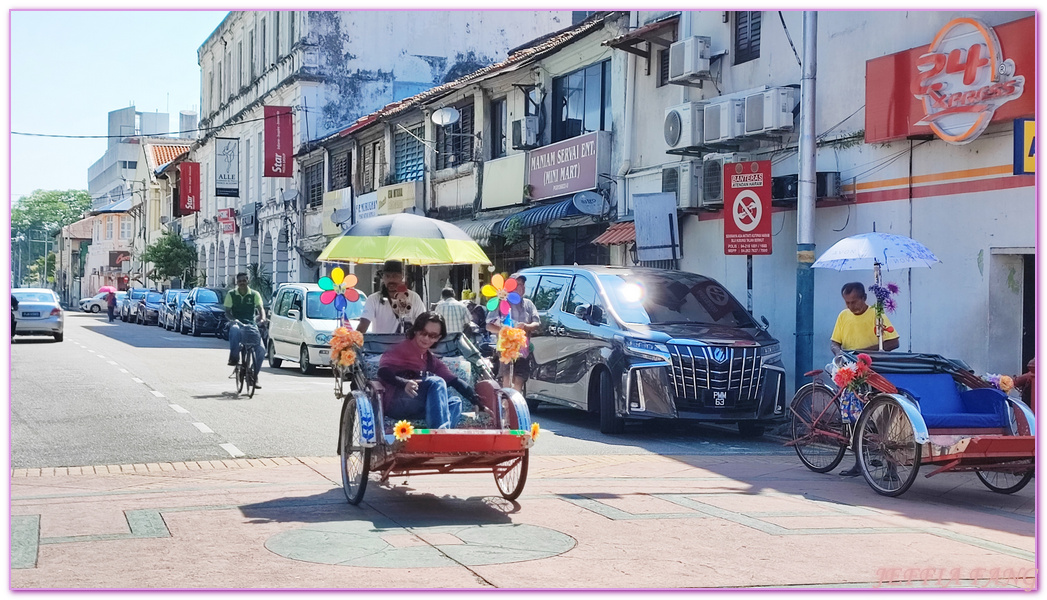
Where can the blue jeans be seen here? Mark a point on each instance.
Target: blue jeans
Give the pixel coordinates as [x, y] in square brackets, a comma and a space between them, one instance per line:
[235, 334]
[432, 402]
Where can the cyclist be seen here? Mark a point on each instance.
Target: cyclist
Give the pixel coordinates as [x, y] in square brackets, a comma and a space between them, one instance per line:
[242, 304]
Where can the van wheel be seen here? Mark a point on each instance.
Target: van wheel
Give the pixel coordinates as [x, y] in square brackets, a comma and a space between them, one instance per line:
[749, 429]
[273, 361]
[303, 361]
[604, 390]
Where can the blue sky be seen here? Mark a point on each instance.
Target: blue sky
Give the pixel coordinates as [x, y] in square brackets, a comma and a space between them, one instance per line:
[70, 68]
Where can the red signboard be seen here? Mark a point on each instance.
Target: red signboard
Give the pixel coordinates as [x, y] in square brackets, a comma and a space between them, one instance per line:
[278, 133]
[564, 167]
[970, 75]
[747, 208]
[227, 220]
[188, 187]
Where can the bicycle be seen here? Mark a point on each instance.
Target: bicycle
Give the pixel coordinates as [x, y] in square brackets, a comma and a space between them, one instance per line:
[250, 336]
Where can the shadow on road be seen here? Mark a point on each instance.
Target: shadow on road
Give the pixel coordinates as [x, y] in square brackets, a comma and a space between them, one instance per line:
[154, 338]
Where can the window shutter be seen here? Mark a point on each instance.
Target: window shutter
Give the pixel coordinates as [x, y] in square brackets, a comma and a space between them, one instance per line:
[408, 152]
[746, 36]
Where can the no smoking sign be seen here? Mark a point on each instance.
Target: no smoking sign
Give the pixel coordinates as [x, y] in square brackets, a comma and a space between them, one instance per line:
[747, 208]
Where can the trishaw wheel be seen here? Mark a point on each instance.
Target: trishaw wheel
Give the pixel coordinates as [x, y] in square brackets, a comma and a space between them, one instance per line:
[1004, 482]
[888, 454]
[355, 459]
[815, 420]
[511, 475]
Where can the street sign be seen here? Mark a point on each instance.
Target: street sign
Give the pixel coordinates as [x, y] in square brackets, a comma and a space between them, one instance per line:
[747, 208]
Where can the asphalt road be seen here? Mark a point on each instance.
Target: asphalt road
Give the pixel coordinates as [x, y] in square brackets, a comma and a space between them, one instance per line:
[124, 393]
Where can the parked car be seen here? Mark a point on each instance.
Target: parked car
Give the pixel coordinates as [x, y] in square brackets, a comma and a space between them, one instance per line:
[641, 343]
[39, 313]
[130, 303]
[301, 326]
[201, 311]
[148, 310]
[169, 307]
[97, 303]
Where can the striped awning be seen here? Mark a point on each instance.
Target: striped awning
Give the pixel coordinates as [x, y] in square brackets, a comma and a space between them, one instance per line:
[540, 215]
[480, 229]
[619, 233]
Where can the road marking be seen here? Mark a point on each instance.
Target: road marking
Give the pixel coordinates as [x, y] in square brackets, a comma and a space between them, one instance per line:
[91, 351]
[178, 409]
[137, 380]
[123, 370]
[203, 428]
[113, 362]
[232, 450]
[156, 393]
[100, 356]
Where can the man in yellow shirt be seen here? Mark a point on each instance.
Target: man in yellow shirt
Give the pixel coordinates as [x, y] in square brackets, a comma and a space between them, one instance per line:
[855, 329]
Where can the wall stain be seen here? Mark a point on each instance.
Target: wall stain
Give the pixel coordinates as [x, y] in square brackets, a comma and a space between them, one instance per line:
[1012, 281]
[981, 263]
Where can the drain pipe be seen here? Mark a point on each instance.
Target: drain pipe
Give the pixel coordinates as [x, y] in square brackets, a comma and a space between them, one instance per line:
[805, 202]
[627, 133]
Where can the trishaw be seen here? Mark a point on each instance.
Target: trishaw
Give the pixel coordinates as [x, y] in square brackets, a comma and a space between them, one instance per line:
[918, 409]
[496, 439]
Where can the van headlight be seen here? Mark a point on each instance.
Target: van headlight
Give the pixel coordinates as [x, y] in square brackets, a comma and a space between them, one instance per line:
[651, 350]
[772, 352]
[322, 338]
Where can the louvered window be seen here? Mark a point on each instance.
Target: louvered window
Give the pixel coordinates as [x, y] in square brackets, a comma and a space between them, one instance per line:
[340, 171]
[314, 184]
[369, 166]
[408, 154]
[663, 67]
[746, 36]
[454, 143]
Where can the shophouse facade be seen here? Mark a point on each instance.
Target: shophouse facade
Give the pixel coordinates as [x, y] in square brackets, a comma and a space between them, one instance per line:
[71, 247]
[108, 259]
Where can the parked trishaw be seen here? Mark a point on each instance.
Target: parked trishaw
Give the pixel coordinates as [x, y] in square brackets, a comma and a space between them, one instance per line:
[919, 409]
[495, 438]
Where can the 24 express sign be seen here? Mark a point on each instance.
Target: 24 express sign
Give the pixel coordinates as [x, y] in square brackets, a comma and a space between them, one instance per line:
[970, 75]
[568, 167]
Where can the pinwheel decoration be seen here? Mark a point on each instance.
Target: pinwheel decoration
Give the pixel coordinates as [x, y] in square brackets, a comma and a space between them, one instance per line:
[502, 293]
[338, 288]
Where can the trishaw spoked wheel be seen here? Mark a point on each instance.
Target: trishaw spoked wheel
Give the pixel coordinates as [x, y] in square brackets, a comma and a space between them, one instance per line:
[1004, 482]
[888, 454]
[815, 418]
[511, 475]
[355, 459]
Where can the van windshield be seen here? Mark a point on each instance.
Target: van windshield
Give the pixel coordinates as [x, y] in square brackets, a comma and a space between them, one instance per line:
[673, 297]
[315, 309]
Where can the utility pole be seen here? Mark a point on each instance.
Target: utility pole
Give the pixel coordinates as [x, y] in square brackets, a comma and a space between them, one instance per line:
[805, 201]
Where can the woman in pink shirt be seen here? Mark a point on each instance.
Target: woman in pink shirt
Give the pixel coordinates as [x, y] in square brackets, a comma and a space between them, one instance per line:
[416, 381]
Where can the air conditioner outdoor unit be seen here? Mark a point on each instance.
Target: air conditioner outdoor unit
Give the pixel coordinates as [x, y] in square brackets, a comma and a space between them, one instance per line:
[724, 121]
[689, 60]
[712, 177]
[770, 110]
[683, 125]
[525, 133]
[685, 180]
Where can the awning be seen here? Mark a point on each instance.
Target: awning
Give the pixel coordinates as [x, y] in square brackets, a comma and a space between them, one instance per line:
[114, 207]
[661, 33]
[480, 229]
[540, 215]
[619, 233]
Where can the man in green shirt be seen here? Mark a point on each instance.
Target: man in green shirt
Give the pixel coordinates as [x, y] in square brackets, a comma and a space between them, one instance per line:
[242, 304]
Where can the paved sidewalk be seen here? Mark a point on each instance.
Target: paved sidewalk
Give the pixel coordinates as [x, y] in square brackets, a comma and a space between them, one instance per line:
[621, 521]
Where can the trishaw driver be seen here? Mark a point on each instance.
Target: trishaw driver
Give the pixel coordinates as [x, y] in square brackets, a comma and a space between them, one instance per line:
[855, 331]
[241, 304]
[387, 309]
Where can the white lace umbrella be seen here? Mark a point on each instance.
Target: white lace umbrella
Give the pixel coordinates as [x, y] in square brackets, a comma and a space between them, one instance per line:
[876, 251]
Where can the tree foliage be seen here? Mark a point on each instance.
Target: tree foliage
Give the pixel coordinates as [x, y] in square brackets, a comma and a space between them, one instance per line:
[47, 210]
[260, 280]
[170, 255]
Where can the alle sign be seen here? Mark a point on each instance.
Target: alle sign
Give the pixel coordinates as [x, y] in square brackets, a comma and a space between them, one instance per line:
[747, 208]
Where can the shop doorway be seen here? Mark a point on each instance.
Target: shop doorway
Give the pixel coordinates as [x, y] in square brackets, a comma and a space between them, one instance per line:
[574, 245]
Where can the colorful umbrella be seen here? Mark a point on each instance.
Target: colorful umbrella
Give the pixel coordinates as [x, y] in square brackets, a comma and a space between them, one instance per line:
[407, 237]
[338, 288]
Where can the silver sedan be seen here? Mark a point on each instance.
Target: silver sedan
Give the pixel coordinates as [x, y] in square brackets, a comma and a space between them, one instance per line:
[38, 313]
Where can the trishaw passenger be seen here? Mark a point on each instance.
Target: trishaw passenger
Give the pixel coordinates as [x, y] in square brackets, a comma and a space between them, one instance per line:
[388, 309]
[415, 382]
[855, 331]
[524, 316]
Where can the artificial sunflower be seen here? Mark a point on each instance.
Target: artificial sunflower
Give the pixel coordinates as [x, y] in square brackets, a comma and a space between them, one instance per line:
[403, 430]
[535, 430]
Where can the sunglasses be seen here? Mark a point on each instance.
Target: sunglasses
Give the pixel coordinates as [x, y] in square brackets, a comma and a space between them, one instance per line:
[430, 335]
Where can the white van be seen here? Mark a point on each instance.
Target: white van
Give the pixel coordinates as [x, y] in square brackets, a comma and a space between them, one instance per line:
[301, 326]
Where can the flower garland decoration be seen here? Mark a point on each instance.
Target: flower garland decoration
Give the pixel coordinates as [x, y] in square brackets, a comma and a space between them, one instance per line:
[502, 294]
[854, 377]
[345, 343]
[338, 288]
[884, 300]
[511, 342]
[535, 430]
[403, 430]
[1004, 383]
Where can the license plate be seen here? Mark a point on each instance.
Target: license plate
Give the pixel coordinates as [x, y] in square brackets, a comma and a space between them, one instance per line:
[30, 314]
[325, 352]
[719, 398]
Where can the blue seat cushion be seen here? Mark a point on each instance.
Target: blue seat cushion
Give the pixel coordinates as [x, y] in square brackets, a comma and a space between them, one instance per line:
[943, 406]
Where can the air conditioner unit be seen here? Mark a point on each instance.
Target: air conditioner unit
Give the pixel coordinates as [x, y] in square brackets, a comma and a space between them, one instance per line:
[770, 110]
[525, 133]
[828, 184]
[683, 125]
[724, 121]
[712, 177]
[685, 180]
[689, 60]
